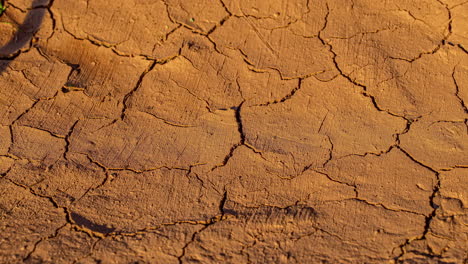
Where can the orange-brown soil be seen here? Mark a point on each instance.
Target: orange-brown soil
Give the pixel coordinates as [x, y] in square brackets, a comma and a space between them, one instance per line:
[234, 131]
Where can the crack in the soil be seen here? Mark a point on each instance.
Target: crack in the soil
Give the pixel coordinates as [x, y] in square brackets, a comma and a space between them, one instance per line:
[52, 17]
[65, 210]
[240, 126]
[116, 51]
[286, 97]
[69, 219]
[44, 130]
[53, 235]
[242, 142]
[337, 181]
[35, 102]
[192, 239]
[433, 204]
[364, 92]
[197, 30]
[462, 48]
[222, 21]
[67, 139]
[457, 92]
[442, 42]
[91, 250]
[253, 68]
[397, 136]
[12, 139]
[386, 207]
[167, 122]
[206, 102]
[240, 129]
[137, 86]
[103, 167]
[432, 255]
[109, 172]
[213, 221]
[330, 151]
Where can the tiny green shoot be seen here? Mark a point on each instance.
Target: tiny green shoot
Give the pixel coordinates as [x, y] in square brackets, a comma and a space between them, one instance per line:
[2, 8]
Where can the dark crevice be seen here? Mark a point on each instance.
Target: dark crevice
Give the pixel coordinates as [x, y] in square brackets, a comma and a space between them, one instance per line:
[381, 205]
[325, 23]
[462, 48]
[2, 175]
[322, 123]
[337, 181]
[75, 71]
[433, 204]
[45, 130]
[431, 256]
[212, 221]
[225, 7]
[68, 219]
[223, 20]
[52, 17]
[340, 71]
[197, 177]
[287, 97]
[67, 140]
[240, 129]
[113, 48]
[199, 31]
[457, 93]
[81, 224]
[223, 203]
[240, 126]
[409, 122]
[167, 122]
[84, 222]
[16, 120]
[441, 43]
[93, 246]
[53, 235]
[106, 179]
[330, 152]
[227, 157]
[252, 67]
[192, 239]
[397, 136]
[138, 84]
[137, 171]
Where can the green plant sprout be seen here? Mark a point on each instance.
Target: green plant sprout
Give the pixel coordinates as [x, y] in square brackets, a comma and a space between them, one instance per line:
[2, 8]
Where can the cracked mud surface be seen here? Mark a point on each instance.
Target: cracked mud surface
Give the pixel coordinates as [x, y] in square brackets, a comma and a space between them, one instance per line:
[234, 131]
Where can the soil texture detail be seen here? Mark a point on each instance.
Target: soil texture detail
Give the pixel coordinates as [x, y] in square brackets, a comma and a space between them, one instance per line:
[234, 131]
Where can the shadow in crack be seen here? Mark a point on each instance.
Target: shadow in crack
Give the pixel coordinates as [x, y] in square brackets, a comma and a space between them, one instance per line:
[23, 34]
[84, 222]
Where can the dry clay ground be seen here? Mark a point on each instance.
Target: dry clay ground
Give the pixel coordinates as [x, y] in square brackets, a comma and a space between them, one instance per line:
[234, 131]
